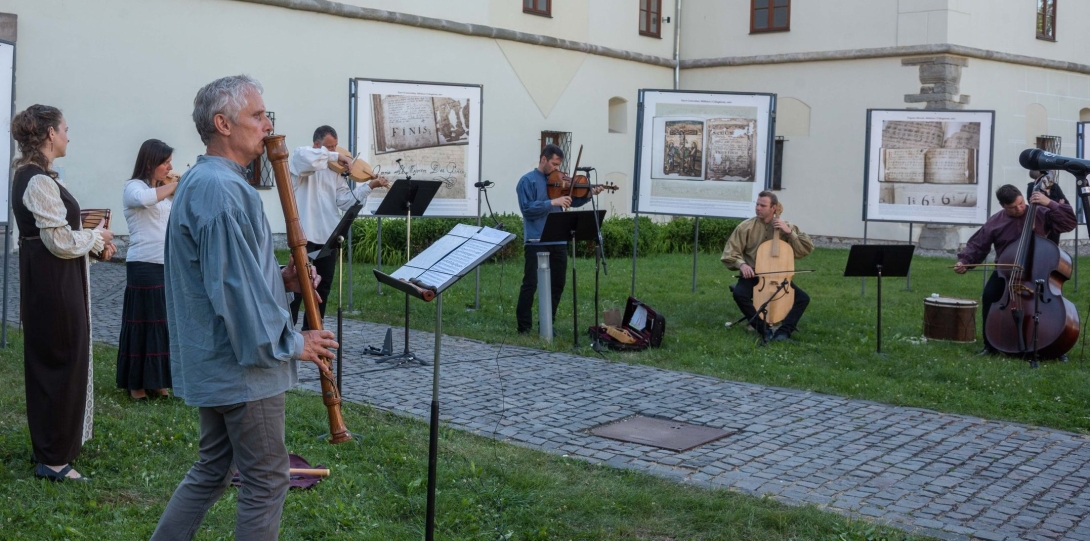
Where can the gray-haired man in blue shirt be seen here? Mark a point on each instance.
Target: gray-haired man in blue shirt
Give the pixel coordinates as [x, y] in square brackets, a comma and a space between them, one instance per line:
[233, 348]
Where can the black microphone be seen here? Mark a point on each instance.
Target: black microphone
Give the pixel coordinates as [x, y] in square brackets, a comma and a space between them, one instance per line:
[1035, 158]
[485, 184]
[584, 169]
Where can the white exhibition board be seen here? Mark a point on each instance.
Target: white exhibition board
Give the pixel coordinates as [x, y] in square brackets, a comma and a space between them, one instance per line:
[7, 87]
[429, 131]
[702, 153]
[928, 166]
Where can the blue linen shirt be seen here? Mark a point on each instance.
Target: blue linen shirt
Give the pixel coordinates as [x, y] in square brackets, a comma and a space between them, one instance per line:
[535, 205]
[231, 336]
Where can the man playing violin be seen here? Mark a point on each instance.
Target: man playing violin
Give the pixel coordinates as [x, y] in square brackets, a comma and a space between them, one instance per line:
[1003, 230]
[535, 204]
[322, 195]
[740, 253]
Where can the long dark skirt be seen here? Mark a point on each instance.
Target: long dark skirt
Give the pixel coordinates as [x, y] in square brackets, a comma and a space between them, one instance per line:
[56, 351]
[143, 355]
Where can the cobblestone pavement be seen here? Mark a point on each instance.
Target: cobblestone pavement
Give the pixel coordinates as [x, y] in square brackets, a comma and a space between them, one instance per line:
[950, 476]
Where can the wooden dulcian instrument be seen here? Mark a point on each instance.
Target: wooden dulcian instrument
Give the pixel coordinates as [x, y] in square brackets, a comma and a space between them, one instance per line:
[359, 170]
[775, 264]
[297, 242]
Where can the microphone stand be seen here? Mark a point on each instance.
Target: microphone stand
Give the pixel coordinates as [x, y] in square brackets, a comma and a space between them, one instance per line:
[1039, 291]
[599, 260]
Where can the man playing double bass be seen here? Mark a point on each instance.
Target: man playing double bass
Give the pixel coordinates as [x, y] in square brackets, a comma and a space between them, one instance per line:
[1003, 230]
[740, 254]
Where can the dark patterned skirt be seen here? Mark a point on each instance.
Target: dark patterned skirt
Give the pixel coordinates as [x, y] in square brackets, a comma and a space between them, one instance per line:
[143, 355]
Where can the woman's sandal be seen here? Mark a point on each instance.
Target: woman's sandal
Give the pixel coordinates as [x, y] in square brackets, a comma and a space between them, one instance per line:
[45, 472]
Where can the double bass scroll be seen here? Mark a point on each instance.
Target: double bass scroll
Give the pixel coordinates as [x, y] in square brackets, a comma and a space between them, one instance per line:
[297, 242]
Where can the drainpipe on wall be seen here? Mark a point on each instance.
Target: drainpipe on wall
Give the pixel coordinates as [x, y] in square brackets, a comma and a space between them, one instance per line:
[677, 45]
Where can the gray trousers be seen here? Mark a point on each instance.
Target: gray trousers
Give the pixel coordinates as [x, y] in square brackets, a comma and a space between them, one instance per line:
[251, 435]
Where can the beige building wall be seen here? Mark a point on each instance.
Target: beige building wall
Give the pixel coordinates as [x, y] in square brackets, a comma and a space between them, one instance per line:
[123, 72]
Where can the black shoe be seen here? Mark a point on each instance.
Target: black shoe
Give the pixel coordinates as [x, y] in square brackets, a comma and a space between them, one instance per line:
[781, 336]
[44, 472]
[987, 351]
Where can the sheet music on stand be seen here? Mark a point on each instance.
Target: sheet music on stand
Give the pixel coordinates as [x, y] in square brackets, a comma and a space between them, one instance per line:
[446, 261]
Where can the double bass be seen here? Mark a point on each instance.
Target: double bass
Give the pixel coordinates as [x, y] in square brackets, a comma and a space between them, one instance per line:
[775, 262]
[1035, 274]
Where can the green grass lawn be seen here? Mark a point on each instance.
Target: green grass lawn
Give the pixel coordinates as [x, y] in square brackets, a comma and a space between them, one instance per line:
[487, 490]
[834, 351]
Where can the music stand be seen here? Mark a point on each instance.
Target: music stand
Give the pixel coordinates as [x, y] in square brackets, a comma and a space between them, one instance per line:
[570, 227]
[879, 260]
[406, 198]
[335, 242]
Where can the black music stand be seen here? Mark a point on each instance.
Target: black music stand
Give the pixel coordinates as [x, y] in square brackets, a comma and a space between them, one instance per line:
[570, 227]
[335, 242]
[879, 260]
[406, 198]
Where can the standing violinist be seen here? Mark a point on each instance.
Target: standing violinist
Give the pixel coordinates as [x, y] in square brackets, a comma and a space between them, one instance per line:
[535, 204]
[1003, 230]
[740, 254]
[322, 195]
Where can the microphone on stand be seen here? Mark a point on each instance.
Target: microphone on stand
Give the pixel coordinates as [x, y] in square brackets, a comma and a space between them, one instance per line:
[484, 184]
[584, 169]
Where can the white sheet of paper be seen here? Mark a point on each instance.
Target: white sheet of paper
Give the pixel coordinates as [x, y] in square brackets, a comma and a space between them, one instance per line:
[432, 254]
[434, 279]
[464, 230]
[458, 262]
[491, 236]
[404, 273]
[639, 318]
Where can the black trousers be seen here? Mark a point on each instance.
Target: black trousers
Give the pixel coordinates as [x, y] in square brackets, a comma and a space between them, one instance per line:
[743, 297]
[558, 265]
[993, 291]
[327, 268]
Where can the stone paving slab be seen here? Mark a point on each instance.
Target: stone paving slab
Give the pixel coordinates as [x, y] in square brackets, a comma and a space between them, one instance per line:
[950, 476]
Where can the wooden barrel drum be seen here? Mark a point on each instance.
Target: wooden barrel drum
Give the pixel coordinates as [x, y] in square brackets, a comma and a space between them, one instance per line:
[947, 318]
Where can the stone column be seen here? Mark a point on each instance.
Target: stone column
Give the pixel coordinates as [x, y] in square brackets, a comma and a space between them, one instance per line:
[940, 77]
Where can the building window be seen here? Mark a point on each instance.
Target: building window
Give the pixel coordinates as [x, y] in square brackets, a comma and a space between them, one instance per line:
[777, 163]
[1046, 19]
[538, 7]
[770, 16]
[561, 139]
[651, 18]
[618, 115]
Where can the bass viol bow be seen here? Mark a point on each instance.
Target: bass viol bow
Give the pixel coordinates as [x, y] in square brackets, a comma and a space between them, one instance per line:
[297, 242]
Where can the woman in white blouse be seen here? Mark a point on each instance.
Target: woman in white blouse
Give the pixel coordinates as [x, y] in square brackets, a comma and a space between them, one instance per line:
[54, 295]
[143, 356]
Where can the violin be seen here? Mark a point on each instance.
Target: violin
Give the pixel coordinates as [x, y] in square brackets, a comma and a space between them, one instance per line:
[1035, 274]
[359, 170]
[561, 185]
[775, 266]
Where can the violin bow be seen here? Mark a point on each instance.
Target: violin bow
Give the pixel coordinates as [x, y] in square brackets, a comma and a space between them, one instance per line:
[778, 272]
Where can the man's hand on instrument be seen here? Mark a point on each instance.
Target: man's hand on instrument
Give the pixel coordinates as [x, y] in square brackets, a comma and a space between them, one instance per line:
[316, 345]
[290, 274]
[562, 202]
[747, 271]
[346, 160]
[961, 268]
[781, 225]
[108, 251]
[382, 182]
[1039, 198]
[598, 189]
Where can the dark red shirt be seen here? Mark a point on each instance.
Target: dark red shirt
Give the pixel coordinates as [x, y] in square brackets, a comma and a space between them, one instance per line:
[1003, 231]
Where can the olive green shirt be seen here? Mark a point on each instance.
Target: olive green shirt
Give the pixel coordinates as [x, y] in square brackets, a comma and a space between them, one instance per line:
[747, 237]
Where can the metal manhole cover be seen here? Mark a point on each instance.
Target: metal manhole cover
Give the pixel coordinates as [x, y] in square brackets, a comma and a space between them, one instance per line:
[662, 433]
